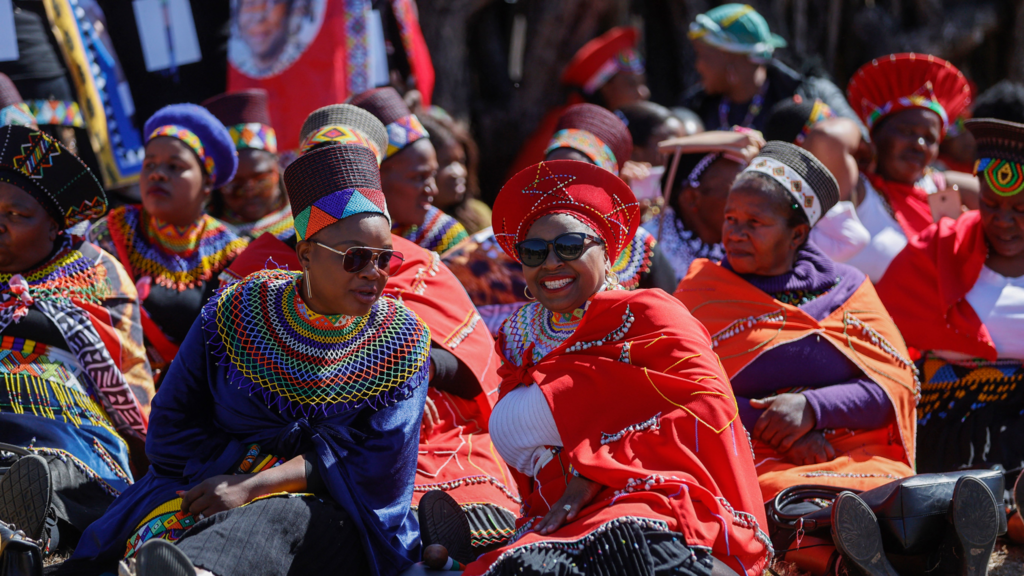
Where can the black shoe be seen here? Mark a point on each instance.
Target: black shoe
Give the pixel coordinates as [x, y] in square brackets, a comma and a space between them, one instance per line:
[443, 522]
[975, 517]
[25, 495]
[161, 558]
[857, 537]
[19, 556]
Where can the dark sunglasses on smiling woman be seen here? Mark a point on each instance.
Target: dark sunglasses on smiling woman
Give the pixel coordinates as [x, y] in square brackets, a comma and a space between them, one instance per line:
[358, 257]
[569, 246]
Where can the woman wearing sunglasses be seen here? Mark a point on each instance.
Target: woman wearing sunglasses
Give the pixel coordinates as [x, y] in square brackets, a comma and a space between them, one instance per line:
[170, 247]
[613, 405]
[253, 202]
[304, 385]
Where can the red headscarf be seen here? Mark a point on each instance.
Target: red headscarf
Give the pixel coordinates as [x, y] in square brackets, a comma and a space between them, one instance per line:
[590, 194]
[900, 81]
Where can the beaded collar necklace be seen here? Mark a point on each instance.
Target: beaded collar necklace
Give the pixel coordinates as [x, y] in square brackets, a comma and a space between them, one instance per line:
[175, 258]
[66, 274]
[752, 110]
[439, 231]
[546, 330]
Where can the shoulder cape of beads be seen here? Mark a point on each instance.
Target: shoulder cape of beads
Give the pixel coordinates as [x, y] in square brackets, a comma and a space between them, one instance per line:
[173, 257]
[439, 231]
[535, 324]
[305, 363]
[68, 274]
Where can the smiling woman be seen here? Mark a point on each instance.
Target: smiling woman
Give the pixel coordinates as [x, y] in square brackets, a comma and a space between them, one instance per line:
[291, 416]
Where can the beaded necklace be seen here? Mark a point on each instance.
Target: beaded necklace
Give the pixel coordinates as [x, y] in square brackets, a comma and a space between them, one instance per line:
[752, 110]
[800, 297]
[175, 258]
[439, 231]
[68, 274]
[535, 324]
[276, 223]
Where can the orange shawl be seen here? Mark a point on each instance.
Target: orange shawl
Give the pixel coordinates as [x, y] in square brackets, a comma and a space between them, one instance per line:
[745, 322]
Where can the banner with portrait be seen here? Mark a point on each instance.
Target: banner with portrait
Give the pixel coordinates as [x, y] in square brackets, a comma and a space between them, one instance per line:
[312, 53]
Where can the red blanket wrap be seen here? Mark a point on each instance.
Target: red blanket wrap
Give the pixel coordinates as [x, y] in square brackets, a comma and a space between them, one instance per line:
[639, 359]
[745, 323]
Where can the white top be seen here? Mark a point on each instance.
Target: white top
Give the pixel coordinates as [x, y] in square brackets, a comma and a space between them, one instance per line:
[839, 233]
[887, 237]
[521, 426]
[999, 302]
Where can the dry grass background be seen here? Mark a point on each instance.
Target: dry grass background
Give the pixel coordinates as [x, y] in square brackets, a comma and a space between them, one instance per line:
[1007, 560]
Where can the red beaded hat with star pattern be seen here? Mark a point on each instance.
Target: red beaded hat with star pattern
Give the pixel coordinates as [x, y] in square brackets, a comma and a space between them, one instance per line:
[592, 195]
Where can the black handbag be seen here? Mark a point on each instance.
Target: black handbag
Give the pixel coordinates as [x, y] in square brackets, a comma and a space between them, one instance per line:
[19, 555]
[911, 512]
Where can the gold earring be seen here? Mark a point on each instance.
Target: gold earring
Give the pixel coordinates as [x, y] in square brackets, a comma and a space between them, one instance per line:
[526, 293]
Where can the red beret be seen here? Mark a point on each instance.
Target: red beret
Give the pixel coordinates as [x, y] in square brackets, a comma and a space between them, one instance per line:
[590, 194]
[594, 54]
[900, 81]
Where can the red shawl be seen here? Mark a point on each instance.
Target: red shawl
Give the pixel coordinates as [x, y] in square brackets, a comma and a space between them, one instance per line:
[926, 283]
[909, 204]
[335, 66]
[644, 408]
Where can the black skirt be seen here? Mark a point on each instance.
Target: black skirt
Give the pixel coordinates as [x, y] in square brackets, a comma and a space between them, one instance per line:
[277, 536]
[623, 549]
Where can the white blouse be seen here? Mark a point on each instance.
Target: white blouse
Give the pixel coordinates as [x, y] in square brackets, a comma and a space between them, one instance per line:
[999, 302]
[839, 233]
[887, 237]
[521, 426]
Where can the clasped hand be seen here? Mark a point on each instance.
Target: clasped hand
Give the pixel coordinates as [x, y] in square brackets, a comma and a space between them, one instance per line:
[787, 424]
[218, 494]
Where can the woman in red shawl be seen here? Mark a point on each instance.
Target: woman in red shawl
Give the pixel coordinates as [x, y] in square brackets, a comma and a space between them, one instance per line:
[614, 409]
[957, 294]
[907, 101]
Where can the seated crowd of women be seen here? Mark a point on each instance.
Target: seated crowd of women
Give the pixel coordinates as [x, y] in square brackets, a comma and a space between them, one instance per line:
[578, 389]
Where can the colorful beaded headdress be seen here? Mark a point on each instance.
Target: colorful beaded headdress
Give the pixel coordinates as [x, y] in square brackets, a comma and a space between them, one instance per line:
[590, 194]
[246, 114]
[59, 180]
[403, 127]
[596, 133]
[13, 109]
[597, 61]
[331, 183]
[1000, 154]
[792, 120]
[898, 82]
[814, 189]
[343, 124]
[737, 29]
[203, 133]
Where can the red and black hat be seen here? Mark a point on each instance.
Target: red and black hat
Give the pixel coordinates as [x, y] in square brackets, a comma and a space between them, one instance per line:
[246, 115]
[595, 132]
[387, 105]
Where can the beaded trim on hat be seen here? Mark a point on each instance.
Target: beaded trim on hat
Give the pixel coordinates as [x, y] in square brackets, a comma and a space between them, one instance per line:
[819, 112]
[333, 207]
[17, 115]
[587, 144]
[338, 135]
[57, 112]
[175, 258]
[797, 187]
[403, 132]
[192, 141]
[628, 60]
[439, 232]
[254, 135]
[923, 97]
[309, 364]
[1005, 178]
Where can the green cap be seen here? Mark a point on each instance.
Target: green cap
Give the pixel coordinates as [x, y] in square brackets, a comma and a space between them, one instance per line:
[738, 29]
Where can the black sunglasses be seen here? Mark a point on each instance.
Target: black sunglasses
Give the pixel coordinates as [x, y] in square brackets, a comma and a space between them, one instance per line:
[358, 257]
[569, 246]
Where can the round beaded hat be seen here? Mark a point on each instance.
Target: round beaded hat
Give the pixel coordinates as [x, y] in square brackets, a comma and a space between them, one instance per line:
[343, 124]
[202, 132]
[814, 189]
[246, 115]
[403, 127]
[595, 132]
[590, 194]
[331, 183]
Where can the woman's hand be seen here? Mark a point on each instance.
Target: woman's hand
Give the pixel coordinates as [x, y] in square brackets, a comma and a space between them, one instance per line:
[578, 494]
[217, 494]
[431, 416]
[813, 448]
[786, 419]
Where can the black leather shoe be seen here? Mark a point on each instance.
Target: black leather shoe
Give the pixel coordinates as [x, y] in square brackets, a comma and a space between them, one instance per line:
[161, 558]
[975, 517]
[442, 521]
[856, 535]
[25, 495]
[19, 556]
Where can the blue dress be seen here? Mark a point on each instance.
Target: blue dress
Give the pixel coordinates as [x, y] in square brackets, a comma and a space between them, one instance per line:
[259, 369]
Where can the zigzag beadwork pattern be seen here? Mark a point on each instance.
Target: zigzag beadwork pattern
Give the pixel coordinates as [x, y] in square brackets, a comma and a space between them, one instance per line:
[439, 232]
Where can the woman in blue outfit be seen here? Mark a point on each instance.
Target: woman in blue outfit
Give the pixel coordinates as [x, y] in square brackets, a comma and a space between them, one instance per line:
[284, 438]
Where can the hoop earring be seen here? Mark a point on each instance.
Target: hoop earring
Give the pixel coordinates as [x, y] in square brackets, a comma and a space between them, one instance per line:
[305, 278]
[526, 293]
[612, 280]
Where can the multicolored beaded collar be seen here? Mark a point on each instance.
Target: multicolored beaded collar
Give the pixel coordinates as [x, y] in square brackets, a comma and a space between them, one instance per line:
[439, 232]
[175, 258]
[302, 362]
[587, 144]
[277, 223]
[535, 325]
[1004, 177]
[192, 141]
[403, 132]
[253, 135]
[68, 275]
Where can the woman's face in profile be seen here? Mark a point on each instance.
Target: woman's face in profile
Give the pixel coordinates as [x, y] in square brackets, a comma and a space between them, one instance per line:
[262, 24]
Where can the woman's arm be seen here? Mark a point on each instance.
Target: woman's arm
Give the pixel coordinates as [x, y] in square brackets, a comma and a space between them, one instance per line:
[225, 492]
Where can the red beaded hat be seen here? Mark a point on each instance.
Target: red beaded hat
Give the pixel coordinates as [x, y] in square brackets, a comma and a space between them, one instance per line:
[590, 194]
[246, 115]
[595, 132]
[611, 52]
[900, 81]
